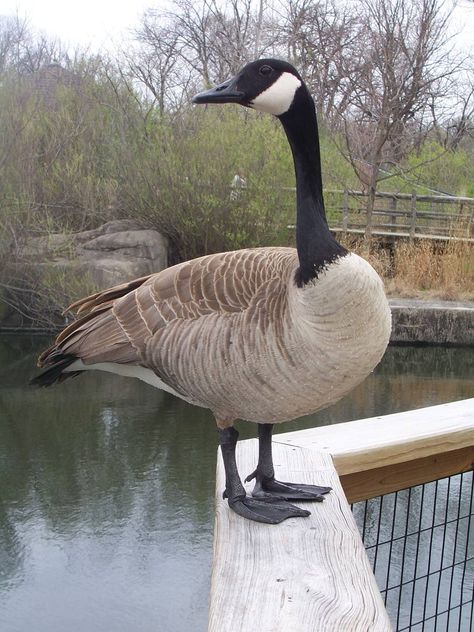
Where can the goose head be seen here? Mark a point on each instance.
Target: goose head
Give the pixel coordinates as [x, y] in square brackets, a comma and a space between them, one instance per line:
[268, 85]
[275, 86]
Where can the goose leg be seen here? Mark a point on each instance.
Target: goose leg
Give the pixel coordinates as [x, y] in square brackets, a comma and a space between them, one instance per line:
[265, 483]
[269, 510]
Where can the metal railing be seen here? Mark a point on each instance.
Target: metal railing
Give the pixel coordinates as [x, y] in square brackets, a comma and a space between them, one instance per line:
[420, 543]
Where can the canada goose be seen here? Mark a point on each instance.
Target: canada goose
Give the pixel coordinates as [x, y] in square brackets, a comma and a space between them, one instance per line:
[263, 334]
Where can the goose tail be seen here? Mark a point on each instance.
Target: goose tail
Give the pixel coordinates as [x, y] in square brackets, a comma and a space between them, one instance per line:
[55, 361]
[95, 336]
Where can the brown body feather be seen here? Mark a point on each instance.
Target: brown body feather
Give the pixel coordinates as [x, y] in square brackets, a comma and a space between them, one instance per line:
[116, 324]
[232, 332]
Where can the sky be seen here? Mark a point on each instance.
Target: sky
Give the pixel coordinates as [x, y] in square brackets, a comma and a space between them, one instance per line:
[95, 23]
[102, 24]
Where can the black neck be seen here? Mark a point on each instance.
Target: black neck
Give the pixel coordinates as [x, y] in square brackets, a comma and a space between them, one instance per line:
[315, 245]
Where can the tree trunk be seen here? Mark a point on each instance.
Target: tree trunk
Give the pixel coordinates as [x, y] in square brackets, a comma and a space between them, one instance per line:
[371, 193]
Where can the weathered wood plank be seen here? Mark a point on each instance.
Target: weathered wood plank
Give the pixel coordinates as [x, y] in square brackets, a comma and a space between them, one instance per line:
[391, 478]
[313, 574]
[367, 444]
[306, 574]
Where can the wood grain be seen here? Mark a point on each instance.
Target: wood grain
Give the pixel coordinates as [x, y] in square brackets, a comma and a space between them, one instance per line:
[312, 574]
[357, 446]
[383, 480]
[304, 575]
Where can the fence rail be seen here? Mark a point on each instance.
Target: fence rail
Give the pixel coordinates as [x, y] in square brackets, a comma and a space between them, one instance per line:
[401, 215]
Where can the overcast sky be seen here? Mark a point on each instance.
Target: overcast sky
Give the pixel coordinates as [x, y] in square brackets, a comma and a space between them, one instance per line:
[99, 23]
[102, 23]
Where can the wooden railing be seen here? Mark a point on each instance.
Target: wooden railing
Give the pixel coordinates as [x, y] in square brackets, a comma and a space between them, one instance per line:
[396, 215]
[313, 573]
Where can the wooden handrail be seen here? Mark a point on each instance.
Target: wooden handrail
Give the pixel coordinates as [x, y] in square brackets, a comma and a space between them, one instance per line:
[413, 222]
[382, 454]
[313, 573]
[305, 574]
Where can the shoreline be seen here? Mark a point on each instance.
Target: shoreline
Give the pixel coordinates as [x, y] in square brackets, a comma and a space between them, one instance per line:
[414, 322]
[432, 322]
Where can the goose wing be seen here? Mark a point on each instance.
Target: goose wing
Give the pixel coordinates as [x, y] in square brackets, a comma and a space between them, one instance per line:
[145, 322]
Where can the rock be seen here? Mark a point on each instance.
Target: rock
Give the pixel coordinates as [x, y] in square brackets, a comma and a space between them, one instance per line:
[116, 252]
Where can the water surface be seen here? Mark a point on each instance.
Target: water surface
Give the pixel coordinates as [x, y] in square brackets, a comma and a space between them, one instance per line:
[107, 485]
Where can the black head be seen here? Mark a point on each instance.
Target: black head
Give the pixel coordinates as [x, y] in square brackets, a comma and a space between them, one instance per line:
[268, 85]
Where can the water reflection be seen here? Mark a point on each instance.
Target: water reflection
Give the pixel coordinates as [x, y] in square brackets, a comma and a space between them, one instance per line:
[106, 494]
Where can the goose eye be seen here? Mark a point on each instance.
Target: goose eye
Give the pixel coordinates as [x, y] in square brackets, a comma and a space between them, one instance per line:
[265, 70]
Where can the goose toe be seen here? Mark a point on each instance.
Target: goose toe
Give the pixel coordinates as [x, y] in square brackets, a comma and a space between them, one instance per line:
[269, 510]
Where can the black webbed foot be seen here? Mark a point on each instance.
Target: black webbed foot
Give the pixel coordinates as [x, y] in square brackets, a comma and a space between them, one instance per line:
[269, 510]
[269, 487]
[266, 486]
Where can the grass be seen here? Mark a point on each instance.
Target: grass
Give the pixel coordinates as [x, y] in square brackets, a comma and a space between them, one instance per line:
[422, 269]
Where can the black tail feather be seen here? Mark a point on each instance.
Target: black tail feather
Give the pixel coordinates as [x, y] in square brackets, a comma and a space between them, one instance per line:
[57, 362]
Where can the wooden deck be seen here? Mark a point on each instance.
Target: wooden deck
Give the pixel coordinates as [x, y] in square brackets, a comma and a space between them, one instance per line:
[312, 574]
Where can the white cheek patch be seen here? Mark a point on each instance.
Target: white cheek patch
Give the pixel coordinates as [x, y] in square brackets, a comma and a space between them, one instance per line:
[278, 98]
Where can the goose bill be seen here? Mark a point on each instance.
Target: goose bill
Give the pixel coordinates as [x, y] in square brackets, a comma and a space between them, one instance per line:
[224, 93]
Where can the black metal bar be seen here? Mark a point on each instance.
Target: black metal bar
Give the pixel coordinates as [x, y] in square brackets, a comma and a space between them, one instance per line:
[378, 531]
[402, 569]
[468, 535]
[455, 547]
[418, 533]
[418, 545]
[443, 546]
[391, 544]
[425, 601]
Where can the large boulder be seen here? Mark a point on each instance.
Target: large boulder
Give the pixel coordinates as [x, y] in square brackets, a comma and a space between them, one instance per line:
[116, 252]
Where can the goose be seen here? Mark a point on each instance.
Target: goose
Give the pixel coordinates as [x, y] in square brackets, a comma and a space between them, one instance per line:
[261, 334]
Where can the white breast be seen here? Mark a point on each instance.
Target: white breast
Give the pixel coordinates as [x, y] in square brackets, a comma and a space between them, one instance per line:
[336, 331]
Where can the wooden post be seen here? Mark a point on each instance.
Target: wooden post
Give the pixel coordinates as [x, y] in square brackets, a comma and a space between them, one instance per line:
[371, 196]
[413, 216]
[345, 212]
[393, 218]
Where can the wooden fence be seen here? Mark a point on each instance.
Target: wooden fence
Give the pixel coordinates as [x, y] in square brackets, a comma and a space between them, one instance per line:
[395, 215]
[402, 215]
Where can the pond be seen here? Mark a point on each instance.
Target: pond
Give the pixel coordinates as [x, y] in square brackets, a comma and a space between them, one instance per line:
[107, 489]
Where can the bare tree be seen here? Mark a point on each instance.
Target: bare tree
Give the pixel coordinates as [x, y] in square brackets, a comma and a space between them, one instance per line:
[156, 63]
[319, 39]
[455, 123]
[204, 39]
[403, 63]
[13, 33]
[23, 51]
